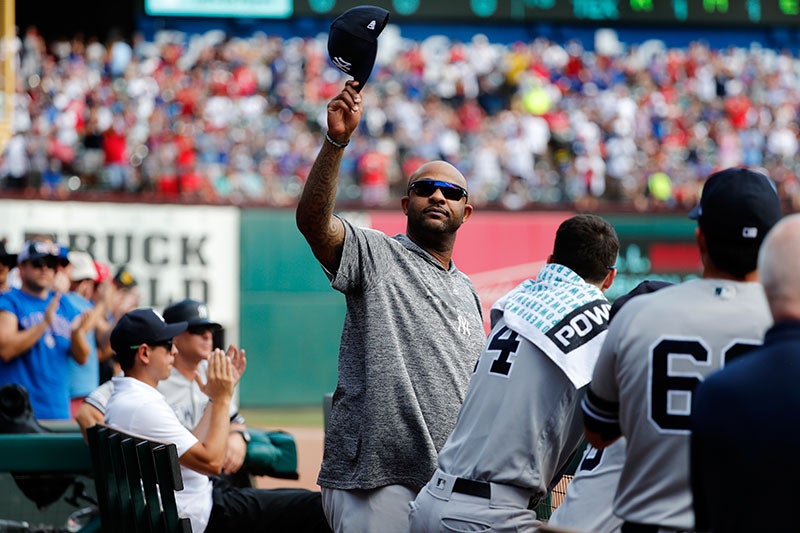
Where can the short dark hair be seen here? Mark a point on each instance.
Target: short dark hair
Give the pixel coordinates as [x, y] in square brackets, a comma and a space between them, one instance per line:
[735, 258]
[588, 245]
[126, 357]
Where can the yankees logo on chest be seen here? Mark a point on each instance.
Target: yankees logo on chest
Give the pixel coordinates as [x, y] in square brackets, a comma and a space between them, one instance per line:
[451, 302]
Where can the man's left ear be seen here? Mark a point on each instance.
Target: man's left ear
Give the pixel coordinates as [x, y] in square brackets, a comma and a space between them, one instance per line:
[142, 354]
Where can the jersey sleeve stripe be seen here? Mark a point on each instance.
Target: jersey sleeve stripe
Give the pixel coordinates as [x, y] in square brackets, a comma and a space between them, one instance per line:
[604, 407]
[601, 416]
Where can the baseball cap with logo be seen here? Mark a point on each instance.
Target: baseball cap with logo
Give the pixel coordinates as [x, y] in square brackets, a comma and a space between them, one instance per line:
[37, 250]
[353, 41]
[192, 312]
[737, 206]
[143, 326]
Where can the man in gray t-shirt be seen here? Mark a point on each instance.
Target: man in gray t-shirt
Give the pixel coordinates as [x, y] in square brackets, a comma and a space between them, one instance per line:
[412, 334]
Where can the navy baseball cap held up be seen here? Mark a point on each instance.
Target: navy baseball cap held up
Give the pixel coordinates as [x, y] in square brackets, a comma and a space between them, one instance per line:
[353, 41]
[737, 206]
[143, 326]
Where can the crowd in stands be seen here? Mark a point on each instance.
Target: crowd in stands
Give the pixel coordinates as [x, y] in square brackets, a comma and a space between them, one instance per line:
[210, 118]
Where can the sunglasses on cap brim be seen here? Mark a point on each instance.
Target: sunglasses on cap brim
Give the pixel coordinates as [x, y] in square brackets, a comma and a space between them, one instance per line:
[450, 191]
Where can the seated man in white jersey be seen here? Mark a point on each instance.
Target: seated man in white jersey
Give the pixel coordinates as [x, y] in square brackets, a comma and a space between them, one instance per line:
[181, 390]
[589, 501]
[661, 345]
[520, 422]
[142, 343]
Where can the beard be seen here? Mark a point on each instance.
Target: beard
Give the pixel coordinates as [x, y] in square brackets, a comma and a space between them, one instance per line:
[421, 222]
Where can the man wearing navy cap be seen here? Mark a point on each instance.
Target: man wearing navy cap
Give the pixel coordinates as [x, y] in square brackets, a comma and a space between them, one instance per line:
[180, 388]
[744, 417]
[143, 344]
[39, 333]
[660, 346]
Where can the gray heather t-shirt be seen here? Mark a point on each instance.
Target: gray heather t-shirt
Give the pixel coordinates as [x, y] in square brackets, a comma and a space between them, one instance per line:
[412, 334]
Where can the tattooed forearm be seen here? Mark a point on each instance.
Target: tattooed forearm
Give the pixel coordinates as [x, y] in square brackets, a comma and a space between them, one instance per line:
[315, 220]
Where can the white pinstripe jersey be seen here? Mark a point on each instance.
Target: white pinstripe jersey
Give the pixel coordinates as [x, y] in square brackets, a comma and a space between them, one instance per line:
[658, 348]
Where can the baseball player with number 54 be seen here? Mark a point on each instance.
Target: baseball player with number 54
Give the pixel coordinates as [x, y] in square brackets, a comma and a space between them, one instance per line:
[661, 345]
[520, 423]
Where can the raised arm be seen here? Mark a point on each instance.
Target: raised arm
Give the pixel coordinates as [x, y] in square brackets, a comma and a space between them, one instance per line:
[315, 220]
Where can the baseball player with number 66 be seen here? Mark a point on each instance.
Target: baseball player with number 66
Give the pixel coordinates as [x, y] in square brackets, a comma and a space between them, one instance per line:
[661, 345]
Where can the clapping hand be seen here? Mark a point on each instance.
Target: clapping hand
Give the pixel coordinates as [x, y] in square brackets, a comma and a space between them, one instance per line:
[239, 361]
[52, 307]
[221, 379]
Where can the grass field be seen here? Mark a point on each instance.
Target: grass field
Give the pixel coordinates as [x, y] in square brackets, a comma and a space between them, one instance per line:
[276, 417]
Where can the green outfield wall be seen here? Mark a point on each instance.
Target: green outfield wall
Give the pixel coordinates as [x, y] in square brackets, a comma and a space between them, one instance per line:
[290, 318]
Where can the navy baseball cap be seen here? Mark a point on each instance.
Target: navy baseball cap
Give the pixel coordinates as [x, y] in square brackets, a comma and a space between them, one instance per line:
[738, 205]
[143, 326]
[192, 312]
[353, 41]
[38, 250]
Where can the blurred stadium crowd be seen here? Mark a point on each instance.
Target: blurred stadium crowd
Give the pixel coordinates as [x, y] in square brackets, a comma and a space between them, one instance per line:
[209, 118]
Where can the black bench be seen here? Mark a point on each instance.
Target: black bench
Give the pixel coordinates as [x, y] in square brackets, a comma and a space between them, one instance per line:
[135, 480]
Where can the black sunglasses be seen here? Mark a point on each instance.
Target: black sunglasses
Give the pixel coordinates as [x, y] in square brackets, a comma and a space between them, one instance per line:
[451, 191]
[41, 262]
[198, 330]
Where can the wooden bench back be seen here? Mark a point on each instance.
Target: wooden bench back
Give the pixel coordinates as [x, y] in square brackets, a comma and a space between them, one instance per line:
[135, 480]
